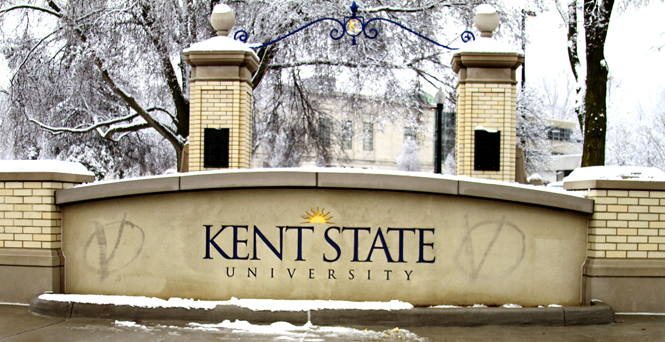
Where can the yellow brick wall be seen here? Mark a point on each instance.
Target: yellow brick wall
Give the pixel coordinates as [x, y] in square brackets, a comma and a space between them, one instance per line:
[221, 104]
[492, 106]
[627, 224]
[29, 217]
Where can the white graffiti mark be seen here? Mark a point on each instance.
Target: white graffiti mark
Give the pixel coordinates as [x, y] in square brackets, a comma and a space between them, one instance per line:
[491, 248]
[113, 246]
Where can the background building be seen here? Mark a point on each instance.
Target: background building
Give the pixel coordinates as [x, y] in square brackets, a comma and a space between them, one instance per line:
[565, 141]
[378, 141]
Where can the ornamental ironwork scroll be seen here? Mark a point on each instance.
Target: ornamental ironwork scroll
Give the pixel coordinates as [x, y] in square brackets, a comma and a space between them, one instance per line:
[353, 26]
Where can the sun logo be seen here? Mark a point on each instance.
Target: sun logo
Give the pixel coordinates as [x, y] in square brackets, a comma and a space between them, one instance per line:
[317, 216]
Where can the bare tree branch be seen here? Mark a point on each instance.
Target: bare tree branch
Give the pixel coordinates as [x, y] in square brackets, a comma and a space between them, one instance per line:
[169, 74]
[390, 9]
[26, 6]
[58, 130]
[122, 129]
[30, 53]
[278, 66]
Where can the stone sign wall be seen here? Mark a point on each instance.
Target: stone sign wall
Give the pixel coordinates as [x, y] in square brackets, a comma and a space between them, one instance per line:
[323, 236]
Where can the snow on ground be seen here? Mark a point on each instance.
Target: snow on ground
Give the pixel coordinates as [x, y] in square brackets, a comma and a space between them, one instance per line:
[44, 166]
[252, 304]
[280, 330]
[634, 173]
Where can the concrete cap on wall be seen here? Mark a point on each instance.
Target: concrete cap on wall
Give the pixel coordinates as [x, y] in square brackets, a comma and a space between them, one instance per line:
[44, 171]
[486, 53]
[326, 178]
[615, 177]
[614, 184]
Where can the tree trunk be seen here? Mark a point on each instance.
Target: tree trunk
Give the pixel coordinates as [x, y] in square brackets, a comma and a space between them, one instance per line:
[596, 22]
[574, 58]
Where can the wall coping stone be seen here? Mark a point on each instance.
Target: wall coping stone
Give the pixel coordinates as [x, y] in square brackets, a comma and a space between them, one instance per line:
[614, 184]
[323, 178]
[32, 176]
[601, 267]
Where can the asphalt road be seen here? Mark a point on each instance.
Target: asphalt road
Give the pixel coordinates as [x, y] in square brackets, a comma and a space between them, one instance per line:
[17, 324]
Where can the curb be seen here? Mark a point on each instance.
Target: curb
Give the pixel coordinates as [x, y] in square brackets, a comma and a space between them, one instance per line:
[597, 313]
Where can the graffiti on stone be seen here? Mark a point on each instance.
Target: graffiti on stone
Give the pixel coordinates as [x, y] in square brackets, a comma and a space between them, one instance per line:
[113, 246]
[492, 248]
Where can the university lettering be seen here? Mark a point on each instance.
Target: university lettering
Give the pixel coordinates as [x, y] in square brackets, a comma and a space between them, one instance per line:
[239, 241]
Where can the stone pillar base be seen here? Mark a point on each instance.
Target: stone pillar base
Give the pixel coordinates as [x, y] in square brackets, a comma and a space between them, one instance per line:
[27, 273]
[636, 285]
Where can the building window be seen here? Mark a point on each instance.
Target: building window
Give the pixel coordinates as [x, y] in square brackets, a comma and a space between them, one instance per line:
[559, 134]
[409, 134]
[368, 136]
[347, 135]
[324, 132]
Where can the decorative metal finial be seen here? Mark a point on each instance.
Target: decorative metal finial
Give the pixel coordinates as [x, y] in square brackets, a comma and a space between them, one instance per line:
[354, 9]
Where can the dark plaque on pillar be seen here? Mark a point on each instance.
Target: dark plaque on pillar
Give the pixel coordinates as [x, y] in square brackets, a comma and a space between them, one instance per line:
[487, 151]
[216, 147]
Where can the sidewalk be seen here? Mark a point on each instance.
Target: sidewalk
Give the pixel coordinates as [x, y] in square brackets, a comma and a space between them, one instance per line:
[18, 324]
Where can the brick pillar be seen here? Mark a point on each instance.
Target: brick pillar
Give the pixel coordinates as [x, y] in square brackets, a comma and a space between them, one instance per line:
[625, 265]
[221, 92]
[486, 100]
[30, 229]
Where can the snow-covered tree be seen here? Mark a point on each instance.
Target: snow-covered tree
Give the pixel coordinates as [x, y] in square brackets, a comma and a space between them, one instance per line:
[638, 139]
[408, 159]
[531, 131]
[593, 18]
[114, 70]
[557, 104]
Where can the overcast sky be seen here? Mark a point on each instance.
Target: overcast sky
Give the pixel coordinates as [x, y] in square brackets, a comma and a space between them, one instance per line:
[636, 65]
[631, 51]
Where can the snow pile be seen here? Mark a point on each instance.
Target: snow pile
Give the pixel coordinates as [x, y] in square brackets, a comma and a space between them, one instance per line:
[222, 8]
[279, 331]
[535, 177]
[306, 305]
[44, 166]
[481, 128]
[635, 173]
[252, 304]
[489, 45]
[485, 9]
[219, 43]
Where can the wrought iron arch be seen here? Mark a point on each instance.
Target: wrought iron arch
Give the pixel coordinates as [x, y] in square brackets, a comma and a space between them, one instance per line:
[353, 26]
